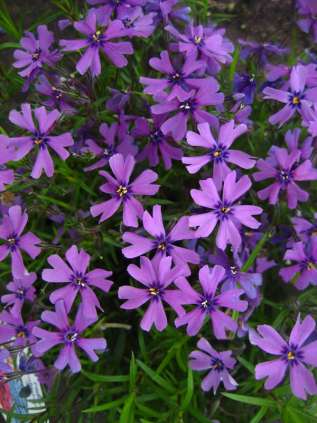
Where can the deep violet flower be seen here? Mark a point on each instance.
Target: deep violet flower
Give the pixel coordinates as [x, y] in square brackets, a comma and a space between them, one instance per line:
[68, 334]
[39, 138]
[292, 355]
[160, 242]
[286, 169]
[55, 91]
[156, 143]
[304, 228]
[178, 77]
[225, 211]
[113, 142]
[11, 230]
[245, 84]
[21, 289]
[209, 303]
[304, 272]
[77, 279]
[97, 39]
[308, 22]
[4, 356]
[13, 330]
[292, 139]
[218, 365]
[209, 43]
[297, 98]
[116, 5]
[36, 52]
[123, 191]
[219, 152]
[189, 106]
[260, 51]
[168, 10]
[137, 24]
[156, 276]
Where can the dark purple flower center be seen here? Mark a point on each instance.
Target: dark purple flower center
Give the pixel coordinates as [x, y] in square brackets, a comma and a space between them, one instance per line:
[122, 191]
[97, 39]
[163, 244]
[12, 242]
[198, 40]
[216, 364]
[223, 210]
[156, 291]
[208, 303]
[219, 153]
[36, 55]
[20, 293]
[71, 336]
[79, 280]
[285, 176]
[156, 136]
[295, 99]
[56, 93]
[175, 78]
[308, 264]
[40, 139]
[21, 332]
[109, 151]
[127, 22]
[233, 272]
[292, 354]
[188, 106]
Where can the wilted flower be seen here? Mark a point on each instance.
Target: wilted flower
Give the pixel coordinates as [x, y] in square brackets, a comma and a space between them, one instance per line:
[217, 363]
[292, 355]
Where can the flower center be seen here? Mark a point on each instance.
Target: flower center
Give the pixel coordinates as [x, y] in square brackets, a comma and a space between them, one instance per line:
[234, 270]
[187, 106]
[122, 190]
[225, 210]
[197, 39]
[296, 100]
[208, 303]
[217, 364]
[71, 336]
[96, 36]
[285, 176]
[57, 93]
[20, 293]
[156, 136]
[36, 55]
[153, 291]
[161, 246]
[290, 356]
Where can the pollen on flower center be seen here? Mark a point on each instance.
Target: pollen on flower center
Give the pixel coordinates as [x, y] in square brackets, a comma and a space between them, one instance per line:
[310, 266]
[36, 55]
[197, 39]
[295, 100]
[96, 36]
[21, 334]
[234, 270]
[290, 355]
[217, 153]
[80, 282]
[11, 240]
[71, 336]
[38, 141]
[204, 303]
[162, 246]
[153, 291]
[122, 190]
[225, 210]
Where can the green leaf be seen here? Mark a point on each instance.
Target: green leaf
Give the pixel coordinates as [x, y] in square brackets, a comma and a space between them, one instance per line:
[106, 378]
[156, 378]
[259, 415]
[104, 407]
[295, 415]
[133, 372]
[126, 415]
[250, 400]
[252, 257]
[190, 390]
[245, 363]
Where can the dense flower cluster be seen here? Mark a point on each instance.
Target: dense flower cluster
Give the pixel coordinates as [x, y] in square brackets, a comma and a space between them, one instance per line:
[202, 263]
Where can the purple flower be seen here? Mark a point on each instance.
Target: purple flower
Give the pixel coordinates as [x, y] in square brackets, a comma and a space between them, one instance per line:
[6, 178]
[68, 334]
[219, 152]
[14, 330]
[137, 24]
[77, 279]
[156, 142]
[189, 106]
[245, 84]
[156, 276]
[21, 290]
[114, 143]
[123, 191]
[297, 98]
[161, 242]
[166, 11]
[304, 228]
[286, 169]
[292, 140]
[260, 51]
[218, 365]
[304, 272]
[209, 302]
[308, 10]
[36, 52]
[97, 39]
[179, 77]
[40, 138]
[54, 90]
[292, 356]
[225, 211]
[4, 366]
[11, 230]
[116, 5]
[209, 43]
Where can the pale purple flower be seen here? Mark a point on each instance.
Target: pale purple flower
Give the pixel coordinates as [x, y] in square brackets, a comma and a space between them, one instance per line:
[245, 84]
[297, 98]
[39, 138]
[77, 279]
[36, 52]
[56, 94]
[218, 365]
[304, 272]
[137, 24]
[167, 10]
[113, 142]
[13, 330]
[218, 152]
[122, 191]
[156, 143]
[156, 277]
[177, 76]
[69, 335]
[116, 6]
[260, 52]
[21, 289]
[308, 22]
[209, 43]
[292, 355]
[97, 39]
[224, 210]
[4, 356]
[285, 169]
[6, 178]
[304, 228]
[292, 139]
[189, 107]
[209, 303]
[14, 241]
[160, 241]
